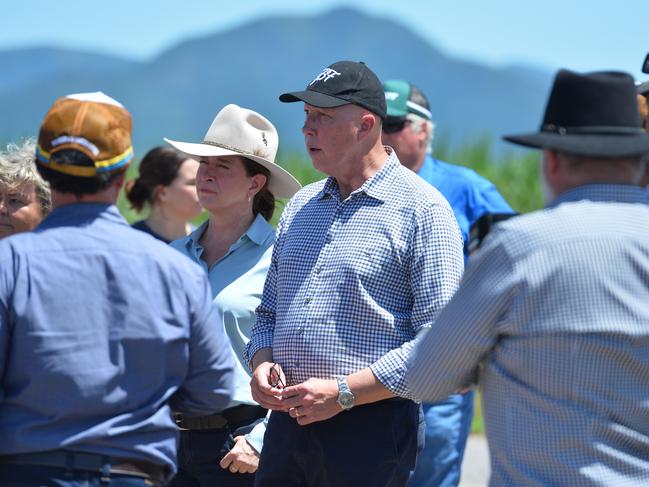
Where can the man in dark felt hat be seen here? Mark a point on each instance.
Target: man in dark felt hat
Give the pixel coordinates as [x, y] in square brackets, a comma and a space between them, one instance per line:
[476, 202]
[551, 317]
[102, 327]
[361, 261]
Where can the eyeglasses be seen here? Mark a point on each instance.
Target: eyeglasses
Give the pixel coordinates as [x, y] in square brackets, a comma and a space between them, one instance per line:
[392, 127]
[275, 378]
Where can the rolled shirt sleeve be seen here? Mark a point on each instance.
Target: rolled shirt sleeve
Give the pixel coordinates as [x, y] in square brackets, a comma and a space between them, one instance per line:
[446, 356]
[436, 264]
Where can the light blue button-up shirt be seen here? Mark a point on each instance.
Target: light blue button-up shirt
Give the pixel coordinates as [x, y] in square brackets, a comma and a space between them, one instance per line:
[552, 318]
[237, 281]
[102, 329]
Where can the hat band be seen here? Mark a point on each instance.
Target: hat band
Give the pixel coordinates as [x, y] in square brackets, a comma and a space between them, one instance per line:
[45, 158]
[422, 112]
[593, 129]
[234, 149]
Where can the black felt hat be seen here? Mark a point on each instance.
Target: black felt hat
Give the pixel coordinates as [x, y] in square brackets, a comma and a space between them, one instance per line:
[593, 114]
[340, 84]
[643, 89]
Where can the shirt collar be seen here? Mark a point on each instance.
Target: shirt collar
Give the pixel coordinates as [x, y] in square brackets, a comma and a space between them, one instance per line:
[378, 186]
[258, 232]
[612, 193]
[77, 213]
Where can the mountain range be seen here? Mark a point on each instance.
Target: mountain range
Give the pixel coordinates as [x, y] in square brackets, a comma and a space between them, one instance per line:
[177, 93]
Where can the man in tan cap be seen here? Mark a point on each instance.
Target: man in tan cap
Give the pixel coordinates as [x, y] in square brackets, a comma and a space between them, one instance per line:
[102, 327]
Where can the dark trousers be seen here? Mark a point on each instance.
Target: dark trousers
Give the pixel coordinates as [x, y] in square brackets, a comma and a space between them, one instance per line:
[374, 445]
[199, 454]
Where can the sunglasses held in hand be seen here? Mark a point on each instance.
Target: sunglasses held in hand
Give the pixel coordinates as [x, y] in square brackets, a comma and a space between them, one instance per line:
[275, 377]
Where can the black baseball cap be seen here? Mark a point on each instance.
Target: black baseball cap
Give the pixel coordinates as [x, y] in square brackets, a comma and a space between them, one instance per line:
[340, 84]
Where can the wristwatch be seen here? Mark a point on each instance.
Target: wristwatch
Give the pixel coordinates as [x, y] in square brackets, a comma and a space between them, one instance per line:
[346, 397]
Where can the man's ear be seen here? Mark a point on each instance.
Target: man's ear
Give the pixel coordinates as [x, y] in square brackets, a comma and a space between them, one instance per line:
[424, 134]
[119, 180]
[368, 122]
[552, 163]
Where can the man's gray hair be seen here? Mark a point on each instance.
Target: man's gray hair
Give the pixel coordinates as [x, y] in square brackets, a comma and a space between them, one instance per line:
[18, 169]
[418, 124]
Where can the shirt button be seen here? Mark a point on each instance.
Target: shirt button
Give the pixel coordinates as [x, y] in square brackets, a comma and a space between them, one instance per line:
[307, 300]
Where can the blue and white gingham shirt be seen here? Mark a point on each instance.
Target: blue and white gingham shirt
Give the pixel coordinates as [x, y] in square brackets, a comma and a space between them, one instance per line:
[352, 282]
[552, 318]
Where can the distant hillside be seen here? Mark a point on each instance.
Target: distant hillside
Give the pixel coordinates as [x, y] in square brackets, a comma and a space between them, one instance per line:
[178, 93]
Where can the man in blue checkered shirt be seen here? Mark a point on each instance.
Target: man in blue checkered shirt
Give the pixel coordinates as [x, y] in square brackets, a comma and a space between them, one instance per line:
[362, 261]
[552, 316]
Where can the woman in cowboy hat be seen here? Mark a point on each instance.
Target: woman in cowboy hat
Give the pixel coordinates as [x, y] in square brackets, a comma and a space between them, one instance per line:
[237, 183]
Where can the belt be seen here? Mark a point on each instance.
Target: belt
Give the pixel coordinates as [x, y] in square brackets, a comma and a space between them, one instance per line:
[91, 462]
[236, 415]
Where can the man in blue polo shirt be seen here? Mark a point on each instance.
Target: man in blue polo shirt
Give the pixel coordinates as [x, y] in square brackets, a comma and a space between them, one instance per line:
[408, 129]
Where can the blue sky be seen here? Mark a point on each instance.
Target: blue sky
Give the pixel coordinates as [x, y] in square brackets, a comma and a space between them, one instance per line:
[580, 34]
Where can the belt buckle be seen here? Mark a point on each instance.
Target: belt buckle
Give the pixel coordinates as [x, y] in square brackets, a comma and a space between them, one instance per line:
[178, 419]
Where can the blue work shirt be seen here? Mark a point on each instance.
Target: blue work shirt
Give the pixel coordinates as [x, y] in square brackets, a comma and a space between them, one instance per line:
[469, 194]
[101, 327]
[237, 281]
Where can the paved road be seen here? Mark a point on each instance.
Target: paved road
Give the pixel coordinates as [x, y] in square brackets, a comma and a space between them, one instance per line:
[475, 467]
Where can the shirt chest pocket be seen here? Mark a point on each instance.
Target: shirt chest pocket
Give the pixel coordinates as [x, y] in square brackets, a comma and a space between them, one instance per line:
[371, 265]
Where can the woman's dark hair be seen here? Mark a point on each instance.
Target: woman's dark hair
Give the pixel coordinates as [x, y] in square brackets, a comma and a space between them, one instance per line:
[264, 201]
[158, 167]
[77, 185]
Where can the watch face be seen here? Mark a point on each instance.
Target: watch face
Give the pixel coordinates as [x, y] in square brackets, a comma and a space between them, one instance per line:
[346, 399]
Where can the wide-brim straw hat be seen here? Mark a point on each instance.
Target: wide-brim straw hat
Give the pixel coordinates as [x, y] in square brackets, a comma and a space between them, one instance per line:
[237, 131]
[593, 114]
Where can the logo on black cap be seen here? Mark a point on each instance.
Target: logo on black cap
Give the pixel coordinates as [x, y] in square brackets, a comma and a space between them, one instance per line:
[326, 74]
[342, 83]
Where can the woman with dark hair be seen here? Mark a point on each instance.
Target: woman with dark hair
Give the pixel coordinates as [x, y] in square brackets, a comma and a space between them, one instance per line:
[167, 185]
[237, 182]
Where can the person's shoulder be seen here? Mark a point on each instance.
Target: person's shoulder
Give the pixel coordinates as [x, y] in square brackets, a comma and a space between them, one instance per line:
[14, 245]
[523, 233]
[465, 176]
[180, 244]
[24, 243]
[140, 225]
[159, 252]
[310, 190]
[412, 188]
[305, 194]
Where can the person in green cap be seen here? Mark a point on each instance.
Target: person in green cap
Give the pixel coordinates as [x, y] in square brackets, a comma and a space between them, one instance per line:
[409, 129]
